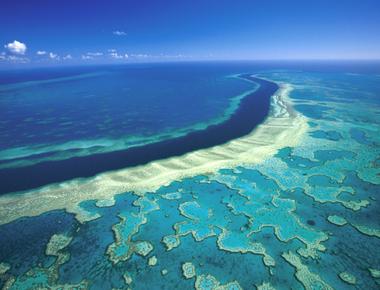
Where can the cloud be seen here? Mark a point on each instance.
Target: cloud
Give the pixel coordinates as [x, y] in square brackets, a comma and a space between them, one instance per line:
[14, 58]
[119, 33]
[91, 55]
[115, 55]
[173, 56]
[140, 55]
[41, 52]
[94, 53]
[87, 57]
[16, 47]
[111, 50]
[17, 58]
[53, 55]
[68, 56]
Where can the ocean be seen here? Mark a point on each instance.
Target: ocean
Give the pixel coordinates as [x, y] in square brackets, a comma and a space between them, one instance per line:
[284, 194]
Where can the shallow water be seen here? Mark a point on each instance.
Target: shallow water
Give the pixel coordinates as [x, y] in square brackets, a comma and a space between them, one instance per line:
[104, 109]
[252, 110]
[307, 217]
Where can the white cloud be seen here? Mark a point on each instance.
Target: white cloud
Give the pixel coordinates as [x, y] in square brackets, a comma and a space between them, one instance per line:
[115, 55]
[18, 59]
[41, 52]
[94, 53]
[119, 33]
[13, 58]
[87, 57]
[126, 55]
[68, 56]
[140, 55]
[53, 55]
[16, 47]
[111, 50]
[172, 56]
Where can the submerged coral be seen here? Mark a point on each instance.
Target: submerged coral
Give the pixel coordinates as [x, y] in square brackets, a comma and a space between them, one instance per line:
[306, 215]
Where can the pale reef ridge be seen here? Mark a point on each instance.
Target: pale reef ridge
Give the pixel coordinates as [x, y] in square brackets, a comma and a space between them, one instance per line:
[284, 127]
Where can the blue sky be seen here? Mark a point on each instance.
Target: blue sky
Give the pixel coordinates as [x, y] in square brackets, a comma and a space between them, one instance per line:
[38, 32]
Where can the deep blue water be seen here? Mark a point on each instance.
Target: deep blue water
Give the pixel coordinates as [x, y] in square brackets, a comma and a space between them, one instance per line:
[56, 114]
[82, 121]
[129, 103]
[252, 111]
[283, 203]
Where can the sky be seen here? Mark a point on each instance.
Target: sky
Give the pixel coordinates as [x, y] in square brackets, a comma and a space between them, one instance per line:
[52, 32]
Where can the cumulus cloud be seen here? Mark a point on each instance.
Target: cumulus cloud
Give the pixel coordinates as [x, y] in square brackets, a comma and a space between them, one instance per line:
[111, 50]
[41, 52]
[68, 56]
[119, 33]
[53, 55]
[16, 47]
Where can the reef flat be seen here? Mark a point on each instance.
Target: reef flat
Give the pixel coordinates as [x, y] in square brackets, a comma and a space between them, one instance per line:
[292, 205]
[60, 113]
[283, 127]
[252, 110]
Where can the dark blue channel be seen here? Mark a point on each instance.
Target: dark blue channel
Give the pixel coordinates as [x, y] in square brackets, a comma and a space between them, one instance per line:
[252, 111]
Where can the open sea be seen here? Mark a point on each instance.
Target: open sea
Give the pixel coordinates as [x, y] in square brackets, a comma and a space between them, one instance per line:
[188, 175]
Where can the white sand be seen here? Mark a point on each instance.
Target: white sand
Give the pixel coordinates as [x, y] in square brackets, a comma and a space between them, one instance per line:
[283, 127]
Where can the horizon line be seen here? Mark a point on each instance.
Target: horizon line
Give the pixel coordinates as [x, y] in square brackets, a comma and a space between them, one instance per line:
[22, 66]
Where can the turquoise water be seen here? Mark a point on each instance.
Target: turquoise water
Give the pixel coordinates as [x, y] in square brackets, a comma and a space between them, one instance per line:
[307, 217]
